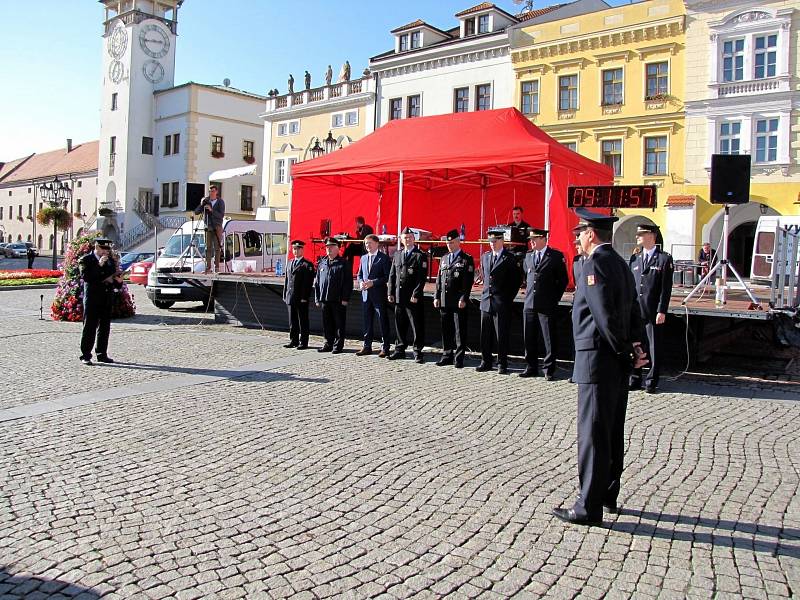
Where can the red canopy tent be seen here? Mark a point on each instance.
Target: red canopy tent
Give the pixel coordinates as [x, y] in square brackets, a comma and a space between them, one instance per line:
[436, 173]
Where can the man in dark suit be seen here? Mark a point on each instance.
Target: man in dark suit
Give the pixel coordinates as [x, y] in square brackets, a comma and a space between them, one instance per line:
[652, 270]
[407, 279]
[519, 233]
[332, 288]
[373, 275]
[546, 272]
[101, 277]
[297, 286]
[501, 280]
[605, 328]
[453, 287]
[213, 209]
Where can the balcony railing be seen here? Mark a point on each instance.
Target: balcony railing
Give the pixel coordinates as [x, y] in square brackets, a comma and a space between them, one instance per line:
[320, 94]
[750, 88]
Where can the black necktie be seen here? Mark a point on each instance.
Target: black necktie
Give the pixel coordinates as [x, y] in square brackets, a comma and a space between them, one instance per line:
[369, 264]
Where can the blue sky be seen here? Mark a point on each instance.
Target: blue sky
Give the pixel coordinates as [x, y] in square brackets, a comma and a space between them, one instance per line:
[50, 75]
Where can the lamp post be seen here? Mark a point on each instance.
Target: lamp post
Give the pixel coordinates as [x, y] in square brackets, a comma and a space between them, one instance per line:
[57, 194]
[330, 143]
[317, 150]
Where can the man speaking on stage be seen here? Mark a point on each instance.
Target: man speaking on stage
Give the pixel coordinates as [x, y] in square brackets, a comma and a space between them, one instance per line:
[213, 209]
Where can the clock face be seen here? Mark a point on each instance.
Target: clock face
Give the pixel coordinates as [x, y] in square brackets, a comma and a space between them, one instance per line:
[154, 40]
[118, 42]
[116, 71]
[153, 71]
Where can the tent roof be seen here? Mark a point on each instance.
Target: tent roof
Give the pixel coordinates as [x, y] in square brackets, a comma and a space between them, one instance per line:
[500, 144]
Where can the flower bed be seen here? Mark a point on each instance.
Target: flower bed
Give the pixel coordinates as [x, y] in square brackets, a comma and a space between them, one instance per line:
[29, 277]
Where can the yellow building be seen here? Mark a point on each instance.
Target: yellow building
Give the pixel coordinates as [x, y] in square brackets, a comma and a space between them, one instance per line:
[742, 84]
[309, 123]
[610, 85]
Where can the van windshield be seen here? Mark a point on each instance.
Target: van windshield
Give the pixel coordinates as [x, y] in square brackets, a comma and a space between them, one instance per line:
[178, 243]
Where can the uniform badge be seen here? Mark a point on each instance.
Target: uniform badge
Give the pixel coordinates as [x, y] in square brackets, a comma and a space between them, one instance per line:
[590, 280]
[471, 269]
[424, 265]
[411, 271]
[456, 274]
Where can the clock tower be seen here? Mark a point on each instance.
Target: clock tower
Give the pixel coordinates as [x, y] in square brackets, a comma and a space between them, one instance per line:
[138, 59]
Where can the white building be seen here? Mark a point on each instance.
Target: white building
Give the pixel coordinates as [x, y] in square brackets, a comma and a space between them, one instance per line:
[161, 144]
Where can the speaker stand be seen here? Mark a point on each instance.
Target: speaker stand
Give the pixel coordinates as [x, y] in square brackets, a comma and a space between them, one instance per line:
[721, 268]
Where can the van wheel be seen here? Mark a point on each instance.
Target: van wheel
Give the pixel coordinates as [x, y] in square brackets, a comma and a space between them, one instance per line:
[163, 303]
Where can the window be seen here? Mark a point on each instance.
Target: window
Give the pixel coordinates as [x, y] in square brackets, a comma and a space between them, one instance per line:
[570, 146]
[766, 140]
[612, 87]
[290, 162]
[655, 155]
[280, 171]
[337, 120]
[657, 79]
[395, 109]
[733, 60]
[80, 184]
[1, 212]
[173, 200]
[416, 39]
[283, 128]
[765, 56]
[112, 145]
[167, 145]
[351, 118]
[176, 143]
[294, 127]
[529, 94]
[414, 106]
[729, 142]
[483, 97]
[612, 155]
[568, 92]
[461, 100]
[78, 206]
[469, 27]
[483, 24]
[30, 211]
[248, 149]
[114, 98]
[216, 145]
[147, 145]
[164, 194]
[247, 197]
[404, 42]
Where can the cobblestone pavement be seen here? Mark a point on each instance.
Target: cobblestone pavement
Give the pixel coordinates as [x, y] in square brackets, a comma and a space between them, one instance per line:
[281, 473]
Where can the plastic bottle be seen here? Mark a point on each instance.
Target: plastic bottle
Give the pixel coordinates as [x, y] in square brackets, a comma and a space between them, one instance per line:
[720, 297]
[279, 268]
[383, 229]
[463, 233]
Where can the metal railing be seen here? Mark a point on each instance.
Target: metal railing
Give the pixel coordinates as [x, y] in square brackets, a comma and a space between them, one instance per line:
[785, 293]
[145, 229]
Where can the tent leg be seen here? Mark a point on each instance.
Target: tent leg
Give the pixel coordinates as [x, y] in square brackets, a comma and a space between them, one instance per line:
[547, 195]
[400, 210]
[483, 214]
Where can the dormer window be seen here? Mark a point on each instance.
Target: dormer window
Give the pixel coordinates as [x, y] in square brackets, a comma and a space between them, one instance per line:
[404, 42]
[469, 27]
[483, 24]
[416, 39]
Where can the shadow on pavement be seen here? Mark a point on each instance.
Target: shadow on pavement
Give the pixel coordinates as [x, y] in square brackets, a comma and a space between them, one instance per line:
[167, 319]
[725, 386]
[778, 547]
[19, 586]
[221, 373]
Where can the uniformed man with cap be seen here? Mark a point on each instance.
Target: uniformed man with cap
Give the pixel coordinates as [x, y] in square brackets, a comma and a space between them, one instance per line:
[407, 278]
[606, 329]
[652, 270]
[453, 287]
[332, 288]
[546, 273]
[297, 286]
[501, 280]
[101, 276]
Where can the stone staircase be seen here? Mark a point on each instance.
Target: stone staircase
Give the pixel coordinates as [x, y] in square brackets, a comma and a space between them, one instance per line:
[148, 226]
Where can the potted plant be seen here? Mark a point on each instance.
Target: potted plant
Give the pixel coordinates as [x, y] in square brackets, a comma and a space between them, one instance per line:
[249, 159]
[217, 154]
[656, 98]
[105, 212]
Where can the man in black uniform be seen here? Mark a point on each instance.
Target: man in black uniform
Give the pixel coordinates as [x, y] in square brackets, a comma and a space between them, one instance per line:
[652, 271]
[406, 290]
[606, 329]
[501, 280]
[546, 273]
[100, 278]
[453, 287]
[519, 233]
[332, 288]
[297, 286]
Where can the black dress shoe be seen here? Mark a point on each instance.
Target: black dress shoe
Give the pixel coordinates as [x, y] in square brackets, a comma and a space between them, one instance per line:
[444, 361]
[650, 389]
[397, 355]
[325, 348]
[483, 367]
[612, 508]
[302, 347]
[87, 361]
[418, 358]
[459, 364]
[502, 370]
[336, 351]
[105, 359]
[568, 515]
[291, 345]
[530, 373]
[634, 385]
[549, 377]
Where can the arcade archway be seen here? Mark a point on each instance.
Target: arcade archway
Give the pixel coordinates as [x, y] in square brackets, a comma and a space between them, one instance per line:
[624, 239]
[741, 232]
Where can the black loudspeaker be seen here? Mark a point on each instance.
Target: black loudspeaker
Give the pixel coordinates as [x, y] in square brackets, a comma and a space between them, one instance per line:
[154, 201]
[324, 228]
[195, 192]
[730, 178]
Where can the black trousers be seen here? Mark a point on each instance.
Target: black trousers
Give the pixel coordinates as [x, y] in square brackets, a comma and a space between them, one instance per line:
[405, 315]
[96, 326]
[653, 348]
[533, 322]
[298, 323]
[495, 326]
[334, 318]
[378, 309]
[454, 332]
[601, 442]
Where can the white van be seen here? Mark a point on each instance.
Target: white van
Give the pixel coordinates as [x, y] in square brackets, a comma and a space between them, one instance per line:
[256, 245]
[762, 267]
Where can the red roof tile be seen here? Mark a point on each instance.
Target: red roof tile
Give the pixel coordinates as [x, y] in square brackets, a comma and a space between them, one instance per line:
[681, 200]
[81, 159]
[481, 6]
[411, 25]
[532, 14]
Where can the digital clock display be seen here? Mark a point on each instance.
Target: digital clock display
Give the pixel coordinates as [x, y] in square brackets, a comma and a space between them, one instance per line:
[612, 196]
